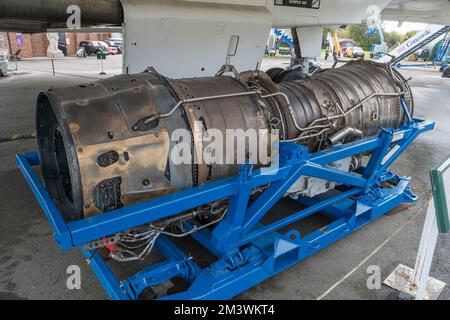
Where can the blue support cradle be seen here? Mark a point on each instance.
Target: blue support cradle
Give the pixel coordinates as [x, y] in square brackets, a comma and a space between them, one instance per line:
[247, 251]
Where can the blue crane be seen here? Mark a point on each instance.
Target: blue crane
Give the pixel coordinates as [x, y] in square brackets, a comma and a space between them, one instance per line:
[442, 51]
[284, 37]
[378, 49]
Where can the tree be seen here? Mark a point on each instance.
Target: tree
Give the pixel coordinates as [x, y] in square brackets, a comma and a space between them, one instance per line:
[358, 34]
[391, 38]
[408, 35]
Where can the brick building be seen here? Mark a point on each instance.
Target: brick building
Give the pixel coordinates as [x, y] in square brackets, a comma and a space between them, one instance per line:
[3, 41]
[35, 44]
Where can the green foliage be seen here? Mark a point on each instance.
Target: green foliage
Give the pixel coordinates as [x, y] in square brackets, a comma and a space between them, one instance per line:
[391, 38]
[359, 35]
[408, 35]
[340, 33]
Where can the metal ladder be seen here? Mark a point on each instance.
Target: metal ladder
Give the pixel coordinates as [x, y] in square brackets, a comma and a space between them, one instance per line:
[420, 44]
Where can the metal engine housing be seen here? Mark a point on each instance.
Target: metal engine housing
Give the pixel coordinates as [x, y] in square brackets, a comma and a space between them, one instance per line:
[93, 160]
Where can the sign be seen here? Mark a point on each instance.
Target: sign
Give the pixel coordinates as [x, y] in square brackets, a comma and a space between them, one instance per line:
[414, 41]
[19, 39]
[101, 56]
[309, 4]
[440, 182]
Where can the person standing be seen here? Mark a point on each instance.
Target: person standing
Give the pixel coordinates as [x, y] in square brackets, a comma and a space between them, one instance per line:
[335, 54]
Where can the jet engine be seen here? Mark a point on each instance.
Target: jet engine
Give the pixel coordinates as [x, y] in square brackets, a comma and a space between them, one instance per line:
[107, 144]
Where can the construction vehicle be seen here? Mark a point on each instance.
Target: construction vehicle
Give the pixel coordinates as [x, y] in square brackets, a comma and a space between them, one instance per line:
[413, 44]
[281, 42]
[378, 50]
[345, 45]
[441, 51]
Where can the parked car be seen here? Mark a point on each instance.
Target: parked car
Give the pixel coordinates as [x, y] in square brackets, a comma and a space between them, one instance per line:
[93, 47]
[424, 54]
[109, 49]
[357, 52]
[4, 65]
[446, 72]
[117, 43]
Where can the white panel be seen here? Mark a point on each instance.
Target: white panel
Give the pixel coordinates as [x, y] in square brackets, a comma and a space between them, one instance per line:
[240, 2]
[310, 39]
[427, 11]
[186, 39]
[331, 12]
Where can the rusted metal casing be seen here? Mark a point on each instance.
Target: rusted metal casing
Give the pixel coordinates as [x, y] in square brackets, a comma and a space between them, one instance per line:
[336, 91]
[93, 160]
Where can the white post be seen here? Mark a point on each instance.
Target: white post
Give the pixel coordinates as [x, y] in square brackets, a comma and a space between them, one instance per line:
[416, 282]
[419, 278]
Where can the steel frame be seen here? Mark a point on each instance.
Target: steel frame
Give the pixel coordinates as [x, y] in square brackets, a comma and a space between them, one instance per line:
[247, 252]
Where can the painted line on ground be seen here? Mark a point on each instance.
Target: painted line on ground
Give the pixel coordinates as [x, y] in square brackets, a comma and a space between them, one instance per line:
[334, 286]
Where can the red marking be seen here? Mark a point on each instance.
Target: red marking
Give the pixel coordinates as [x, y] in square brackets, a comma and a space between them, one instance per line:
[109, 245]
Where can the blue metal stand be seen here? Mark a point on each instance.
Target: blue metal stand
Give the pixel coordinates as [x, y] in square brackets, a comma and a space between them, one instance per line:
[247, 252]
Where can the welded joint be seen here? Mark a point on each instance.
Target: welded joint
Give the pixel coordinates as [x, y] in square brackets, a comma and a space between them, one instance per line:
[64, 240]
[286, 250]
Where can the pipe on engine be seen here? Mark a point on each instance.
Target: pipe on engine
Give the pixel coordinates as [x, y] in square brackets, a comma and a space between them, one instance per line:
[362, 95]
[94, 160]
[344, 134]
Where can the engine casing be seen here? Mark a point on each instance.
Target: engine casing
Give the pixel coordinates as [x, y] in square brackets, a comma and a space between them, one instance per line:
[93, 161]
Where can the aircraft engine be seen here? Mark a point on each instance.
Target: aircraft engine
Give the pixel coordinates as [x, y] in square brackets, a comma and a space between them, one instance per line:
[107, 144]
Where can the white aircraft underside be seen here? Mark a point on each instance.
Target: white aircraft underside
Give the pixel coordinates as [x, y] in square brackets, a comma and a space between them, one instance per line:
[186, 38]
[426, 11]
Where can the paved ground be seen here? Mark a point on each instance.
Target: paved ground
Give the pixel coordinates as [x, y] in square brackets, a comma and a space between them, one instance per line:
[33, 267]
[87, 67]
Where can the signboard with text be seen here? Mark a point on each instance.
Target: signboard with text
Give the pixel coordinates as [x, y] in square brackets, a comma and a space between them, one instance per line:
[309, 4]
